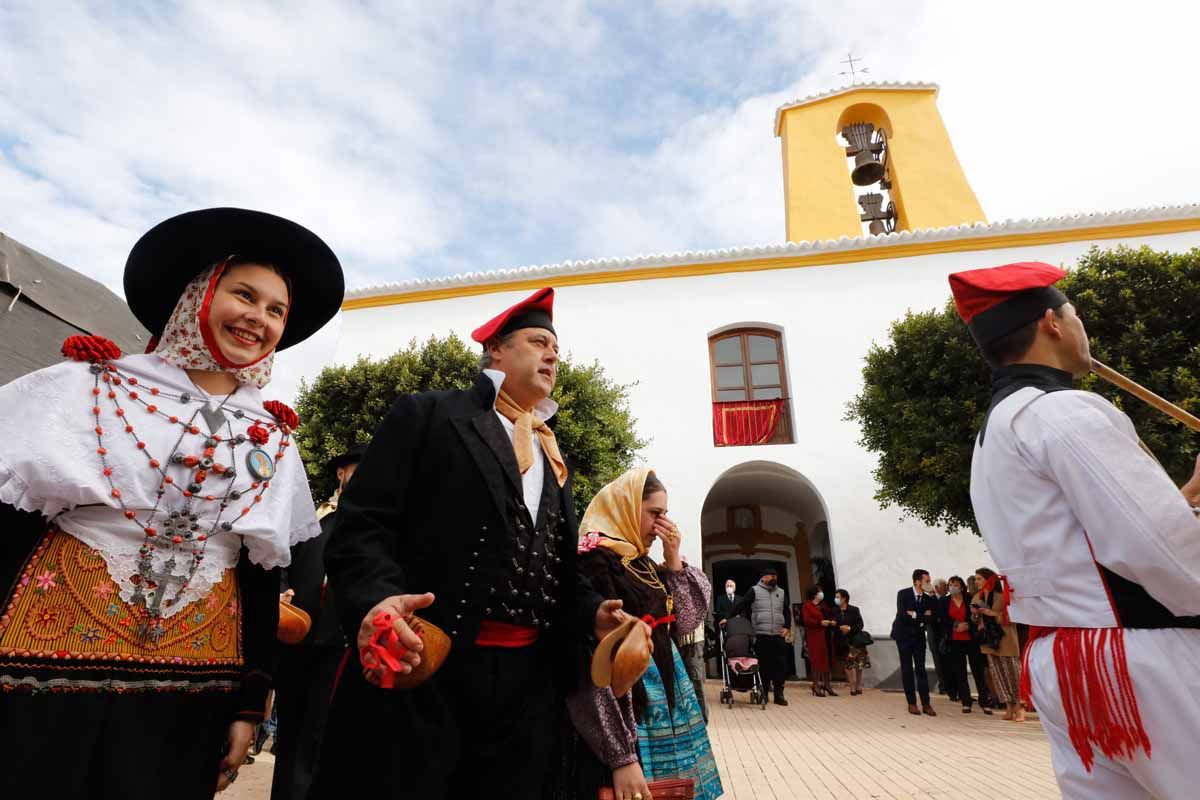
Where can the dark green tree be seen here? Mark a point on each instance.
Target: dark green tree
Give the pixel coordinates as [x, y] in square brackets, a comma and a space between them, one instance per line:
[345, 404]
[926, 390]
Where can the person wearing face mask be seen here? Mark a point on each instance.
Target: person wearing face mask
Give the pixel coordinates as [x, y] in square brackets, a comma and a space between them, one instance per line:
[915, 608]
[816, 620]
[147, 502]
[772, 618]
[849, 622]
[961, 649]
[723, 605]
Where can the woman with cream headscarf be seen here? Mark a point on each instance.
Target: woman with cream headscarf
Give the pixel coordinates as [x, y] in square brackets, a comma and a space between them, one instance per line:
[146, 501]
[656, 731]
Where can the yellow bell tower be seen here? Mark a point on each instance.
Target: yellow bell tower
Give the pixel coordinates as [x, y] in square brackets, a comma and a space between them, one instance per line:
[896, 126]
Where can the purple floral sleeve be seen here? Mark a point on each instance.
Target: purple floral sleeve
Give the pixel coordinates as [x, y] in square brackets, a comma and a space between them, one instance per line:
[693, 596]
[606, 723]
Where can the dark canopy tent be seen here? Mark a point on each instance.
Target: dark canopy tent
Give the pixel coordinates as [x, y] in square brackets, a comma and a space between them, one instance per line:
[42, 303]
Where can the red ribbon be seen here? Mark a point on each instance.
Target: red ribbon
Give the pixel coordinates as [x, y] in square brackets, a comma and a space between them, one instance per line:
[654, 623]
[384, 651]
[989, 586]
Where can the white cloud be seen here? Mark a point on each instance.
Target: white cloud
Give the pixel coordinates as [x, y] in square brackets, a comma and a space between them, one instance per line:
[425, 139]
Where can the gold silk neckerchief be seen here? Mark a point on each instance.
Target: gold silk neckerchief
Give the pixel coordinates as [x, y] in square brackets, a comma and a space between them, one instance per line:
[526, 425]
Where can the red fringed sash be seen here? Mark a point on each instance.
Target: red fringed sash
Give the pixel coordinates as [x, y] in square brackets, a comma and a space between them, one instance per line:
[1097, 691]
[502, 634]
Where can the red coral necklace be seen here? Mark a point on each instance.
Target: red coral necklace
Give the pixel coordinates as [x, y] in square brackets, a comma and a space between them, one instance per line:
[178, 531]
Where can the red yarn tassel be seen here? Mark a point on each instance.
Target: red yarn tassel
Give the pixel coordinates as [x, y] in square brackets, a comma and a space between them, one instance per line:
[1097, 691]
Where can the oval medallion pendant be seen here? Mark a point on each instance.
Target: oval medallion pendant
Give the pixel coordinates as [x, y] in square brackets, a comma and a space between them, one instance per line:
[260, 464]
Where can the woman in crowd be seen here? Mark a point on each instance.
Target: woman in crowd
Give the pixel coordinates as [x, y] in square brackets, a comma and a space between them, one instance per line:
[849, 622]
[956, 624]
[656, 731]
[816, 623]
[1003, 659]
[145, 504]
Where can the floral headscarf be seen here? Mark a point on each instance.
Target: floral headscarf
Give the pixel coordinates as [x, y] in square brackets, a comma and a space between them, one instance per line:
[613, 519]
[188, 343]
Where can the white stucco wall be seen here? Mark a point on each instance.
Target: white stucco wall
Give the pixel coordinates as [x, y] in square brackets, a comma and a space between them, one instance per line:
[655, 333]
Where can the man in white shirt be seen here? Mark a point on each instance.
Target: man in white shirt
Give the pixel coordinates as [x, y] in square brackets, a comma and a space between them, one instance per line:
[1100, 548]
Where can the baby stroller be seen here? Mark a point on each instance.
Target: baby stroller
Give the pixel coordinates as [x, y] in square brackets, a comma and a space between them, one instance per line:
[739, 668]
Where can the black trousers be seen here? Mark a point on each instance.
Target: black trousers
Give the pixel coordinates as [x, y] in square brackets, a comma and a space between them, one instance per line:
[934, 635]
[771, 652]
[484, 726]
[303, 687]
[134, 746]
[912, 668]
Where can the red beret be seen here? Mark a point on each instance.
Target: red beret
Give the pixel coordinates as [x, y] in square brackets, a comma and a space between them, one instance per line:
[535, 311]
[998, 300]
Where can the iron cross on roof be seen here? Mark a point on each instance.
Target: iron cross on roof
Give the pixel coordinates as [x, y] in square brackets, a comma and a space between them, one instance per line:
[852, 72]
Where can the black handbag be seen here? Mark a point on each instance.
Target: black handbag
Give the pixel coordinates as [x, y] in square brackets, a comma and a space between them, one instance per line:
[991, 633]
[861, 639]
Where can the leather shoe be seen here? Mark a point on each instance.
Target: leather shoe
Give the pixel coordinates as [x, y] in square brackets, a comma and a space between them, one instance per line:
[779, 701]
[928, 710]
[912, 709]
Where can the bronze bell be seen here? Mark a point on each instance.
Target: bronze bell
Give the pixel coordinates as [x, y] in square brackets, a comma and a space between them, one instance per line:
[867, 169]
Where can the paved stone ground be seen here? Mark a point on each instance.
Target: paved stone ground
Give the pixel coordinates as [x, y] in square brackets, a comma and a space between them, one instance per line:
[846, 747]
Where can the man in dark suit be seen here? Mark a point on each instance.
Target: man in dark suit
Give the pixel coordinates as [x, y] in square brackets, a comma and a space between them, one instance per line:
[461, 510]
[723, 604]
[304, 678]
[916, 607]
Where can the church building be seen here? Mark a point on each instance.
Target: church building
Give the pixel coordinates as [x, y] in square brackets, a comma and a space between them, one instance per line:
[742, 361]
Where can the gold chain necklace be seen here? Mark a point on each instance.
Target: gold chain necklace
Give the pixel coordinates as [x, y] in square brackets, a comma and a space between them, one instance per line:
[647, 574]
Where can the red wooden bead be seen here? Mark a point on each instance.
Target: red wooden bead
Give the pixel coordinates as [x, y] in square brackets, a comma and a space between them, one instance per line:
[133, 381]
[107, 379]
[141, 445]
[201, 538]
[107, 471]
[186, 493]
[120, 412]
[193, 429]
[177, 539]
[210, 452]
[216, 438]
[173, 419]
[96, 391]
[168, 479]
[151, 532]
[209, 498]
[129, 429]
[219, 469]
[154, 463]
[258, 498]
[201, 475]
[245, 510]
[154, 391]
[112, 395]
[99, 430]
[116, 492]
[101, 451]
[96, 410]
[133, 395]
[151, 408]
[190, 461]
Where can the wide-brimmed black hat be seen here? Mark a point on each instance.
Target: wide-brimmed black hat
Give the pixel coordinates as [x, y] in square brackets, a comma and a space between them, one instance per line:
[175, 251]
[351, 456]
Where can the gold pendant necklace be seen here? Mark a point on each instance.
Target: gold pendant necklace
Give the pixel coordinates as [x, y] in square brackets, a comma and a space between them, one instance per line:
[647, 574]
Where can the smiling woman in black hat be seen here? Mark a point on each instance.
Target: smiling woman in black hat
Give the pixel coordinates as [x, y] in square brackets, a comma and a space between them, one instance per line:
[145, 504]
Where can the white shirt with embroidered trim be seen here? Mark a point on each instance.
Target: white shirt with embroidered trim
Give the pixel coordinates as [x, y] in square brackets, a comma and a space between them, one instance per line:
[1061, 476]
[49, 464]
[531, 481]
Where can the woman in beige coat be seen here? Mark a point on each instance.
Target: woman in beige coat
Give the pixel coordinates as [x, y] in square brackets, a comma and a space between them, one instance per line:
[1004, 661]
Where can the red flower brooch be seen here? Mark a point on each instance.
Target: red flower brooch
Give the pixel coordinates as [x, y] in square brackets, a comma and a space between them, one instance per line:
[258, 434]
[283, 414]
[90, 348]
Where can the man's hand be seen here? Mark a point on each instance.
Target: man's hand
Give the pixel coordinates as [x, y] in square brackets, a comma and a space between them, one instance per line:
[668, 532]
[844, 628]
[783, 631]
[609, 616]
[400, 606]
[962, 626]
[241, 734]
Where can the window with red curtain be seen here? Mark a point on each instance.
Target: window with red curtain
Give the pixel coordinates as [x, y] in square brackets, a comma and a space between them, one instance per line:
[749, 386]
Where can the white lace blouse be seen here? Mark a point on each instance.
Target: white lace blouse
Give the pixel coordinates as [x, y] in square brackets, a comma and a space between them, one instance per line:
[49, 463]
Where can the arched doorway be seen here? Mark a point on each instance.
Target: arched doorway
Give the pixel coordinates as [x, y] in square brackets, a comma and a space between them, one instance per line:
[763, 513]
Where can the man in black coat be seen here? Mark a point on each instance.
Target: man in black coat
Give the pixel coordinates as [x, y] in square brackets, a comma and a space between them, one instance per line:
[723, 604]
[461, 510]
[916, 607]
[306, 672]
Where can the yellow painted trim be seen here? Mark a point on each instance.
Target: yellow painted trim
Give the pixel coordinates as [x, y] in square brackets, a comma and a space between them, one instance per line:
[815, 259]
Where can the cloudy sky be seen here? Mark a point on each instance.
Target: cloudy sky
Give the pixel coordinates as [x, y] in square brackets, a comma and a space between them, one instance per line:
[424, 139]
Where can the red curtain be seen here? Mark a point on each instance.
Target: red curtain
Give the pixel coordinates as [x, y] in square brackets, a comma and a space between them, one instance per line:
[745, 421]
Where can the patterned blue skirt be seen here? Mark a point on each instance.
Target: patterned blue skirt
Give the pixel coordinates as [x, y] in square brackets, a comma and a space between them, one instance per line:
[676, 745]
